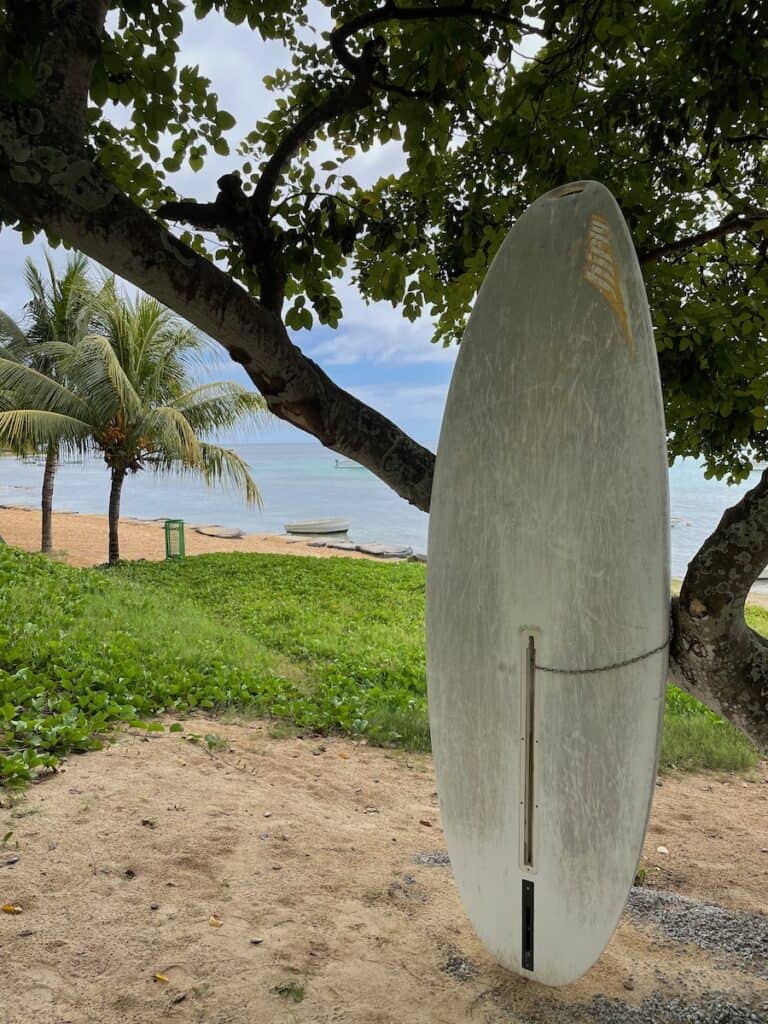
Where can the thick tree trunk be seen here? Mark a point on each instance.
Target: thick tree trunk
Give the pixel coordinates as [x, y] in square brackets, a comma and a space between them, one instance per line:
[46, 504]
[118, 477]
[714, 654]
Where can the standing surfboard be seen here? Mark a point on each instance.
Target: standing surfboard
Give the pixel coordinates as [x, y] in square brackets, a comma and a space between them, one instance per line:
[548, 588]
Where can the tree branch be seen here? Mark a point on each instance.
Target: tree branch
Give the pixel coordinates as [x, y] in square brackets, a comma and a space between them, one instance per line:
[67, 58]
[734, 556]
[69, 196]
[732, 224]
[737, 140]
[391, 12]
[233, 216]
[348, 98]
[251, 224]
[204, 216]
[228, 213]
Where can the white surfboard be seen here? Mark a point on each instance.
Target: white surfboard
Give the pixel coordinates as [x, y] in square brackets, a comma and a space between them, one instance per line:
[549, 549]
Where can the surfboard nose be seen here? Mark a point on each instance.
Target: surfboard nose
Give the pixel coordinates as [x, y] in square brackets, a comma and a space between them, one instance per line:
[571, 189]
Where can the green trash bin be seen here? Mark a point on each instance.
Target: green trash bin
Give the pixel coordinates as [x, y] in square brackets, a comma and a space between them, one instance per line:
[174, 538]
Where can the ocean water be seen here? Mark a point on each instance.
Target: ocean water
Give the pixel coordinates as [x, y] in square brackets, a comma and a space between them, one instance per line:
[306, 481]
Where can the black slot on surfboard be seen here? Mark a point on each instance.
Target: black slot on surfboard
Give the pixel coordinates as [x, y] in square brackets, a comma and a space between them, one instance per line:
[527, 921]
[530, 706]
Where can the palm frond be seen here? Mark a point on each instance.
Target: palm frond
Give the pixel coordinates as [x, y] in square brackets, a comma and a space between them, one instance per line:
[222, 465]
[11, 335]
[96, 371]
[58, 310]
[169, 368]
[50, 353]
[24, 428]
[168, 431]
[219, 405]
[217, 465]
[29, 387]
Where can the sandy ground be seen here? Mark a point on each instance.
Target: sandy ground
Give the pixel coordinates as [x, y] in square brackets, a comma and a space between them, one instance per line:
[82, 539]
[279, 880]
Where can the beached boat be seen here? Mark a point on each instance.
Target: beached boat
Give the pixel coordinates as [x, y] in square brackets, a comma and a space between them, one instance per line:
[317, 526]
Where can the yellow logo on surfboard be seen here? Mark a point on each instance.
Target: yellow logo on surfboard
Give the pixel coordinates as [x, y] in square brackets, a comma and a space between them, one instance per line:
[600, 271]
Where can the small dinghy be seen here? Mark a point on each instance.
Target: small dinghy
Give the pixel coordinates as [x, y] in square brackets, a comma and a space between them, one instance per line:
[385, 550]
[224, 532]
[318, 526]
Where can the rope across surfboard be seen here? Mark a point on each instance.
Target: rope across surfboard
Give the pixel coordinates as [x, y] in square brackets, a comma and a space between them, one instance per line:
[601, 668]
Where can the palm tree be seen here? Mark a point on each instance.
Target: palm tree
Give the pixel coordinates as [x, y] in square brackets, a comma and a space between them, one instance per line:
[126, 389]
[58, 311]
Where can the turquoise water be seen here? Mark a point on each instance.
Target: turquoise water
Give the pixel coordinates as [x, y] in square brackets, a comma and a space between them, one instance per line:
[303, 481]
[296, 481]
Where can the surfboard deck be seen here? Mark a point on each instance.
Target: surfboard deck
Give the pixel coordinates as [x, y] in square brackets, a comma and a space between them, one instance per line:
[549, 549]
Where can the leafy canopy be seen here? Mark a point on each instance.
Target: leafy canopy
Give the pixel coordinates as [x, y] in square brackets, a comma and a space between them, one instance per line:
[491, 104]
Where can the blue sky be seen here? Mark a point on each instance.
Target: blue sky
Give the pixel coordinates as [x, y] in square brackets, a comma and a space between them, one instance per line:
[376, 354]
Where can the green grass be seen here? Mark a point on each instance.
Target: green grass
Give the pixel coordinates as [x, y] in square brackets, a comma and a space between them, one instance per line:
[327, 645]
[695, 738]
[317, 644]
[693, 742]
[757, 618]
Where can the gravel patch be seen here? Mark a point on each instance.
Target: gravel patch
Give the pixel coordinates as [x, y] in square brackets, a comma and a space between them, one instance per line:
[458, 966]
[714, 1008]
[436, 858]
[743, 937]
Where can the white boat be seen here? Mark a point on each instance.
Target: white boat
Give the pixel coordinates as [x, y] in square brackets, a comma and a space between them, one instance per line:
[317, 526]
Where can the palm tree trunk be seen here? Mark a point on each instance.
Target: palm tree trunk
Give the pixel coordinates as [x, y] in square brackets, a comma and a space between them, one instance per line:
[118, 476]
[51, 465]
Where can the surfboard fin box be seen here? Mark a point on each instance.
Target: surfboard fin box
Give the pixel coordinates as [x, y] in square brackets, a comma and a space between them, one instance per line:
[527, 925]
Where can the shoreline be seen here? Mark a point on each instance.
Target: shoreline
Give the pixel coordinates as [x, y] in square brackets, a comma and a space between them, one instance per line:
[80, 539]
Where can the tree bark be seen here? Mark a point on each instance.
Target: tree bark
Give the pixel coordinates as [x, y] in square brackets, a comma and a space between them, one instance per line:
[46, 504]
[118, 478]
[714, 654]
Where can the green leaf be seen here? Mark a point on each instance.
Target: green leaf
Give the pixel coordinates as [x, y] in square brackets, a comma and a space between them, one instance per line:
[225, 120]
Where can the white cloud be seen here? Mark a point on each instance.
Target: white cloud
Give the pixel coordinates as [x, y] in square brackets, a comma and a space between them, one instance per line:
[376, 333]
[428, 397]
[377, 342]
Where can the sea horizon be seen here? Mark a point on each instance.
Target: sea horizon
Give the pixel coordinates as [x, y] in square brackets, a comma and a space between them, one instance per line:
[302, 480]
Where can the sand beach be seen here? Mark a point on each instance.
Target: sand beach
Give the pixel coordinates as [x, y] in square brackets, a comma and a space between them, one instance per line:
[81, 540]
